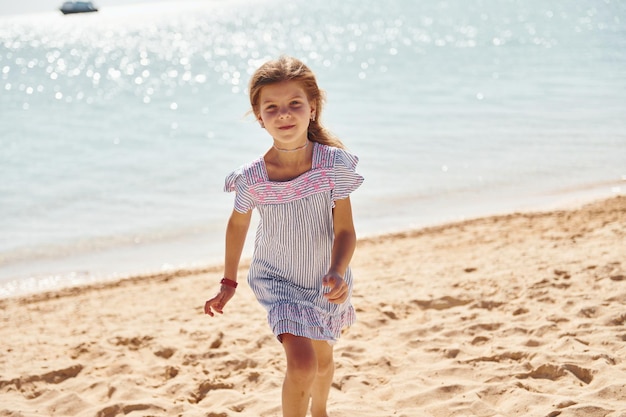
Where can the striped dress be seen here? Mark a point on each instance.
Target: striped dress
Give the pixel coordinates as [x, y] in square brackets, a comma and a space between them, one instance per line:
[294, 240]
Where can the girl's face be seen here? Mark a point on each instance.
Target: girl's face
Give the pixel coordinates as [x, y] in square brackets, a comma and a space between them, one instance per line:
[285, 112]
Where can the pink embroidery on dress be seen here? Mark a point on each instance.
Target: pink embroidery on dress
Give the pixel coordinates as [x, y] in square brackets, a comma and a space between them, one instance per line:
[307, 184]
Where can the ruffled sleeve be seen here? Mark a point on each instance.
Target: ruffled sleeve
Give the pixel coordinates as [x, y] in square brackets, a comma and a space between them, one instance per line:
[345, 177]
[236, 181]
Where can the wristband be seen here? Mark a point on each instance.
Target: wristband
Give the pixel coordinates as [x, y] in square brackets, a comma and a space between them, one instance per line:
[229, 282]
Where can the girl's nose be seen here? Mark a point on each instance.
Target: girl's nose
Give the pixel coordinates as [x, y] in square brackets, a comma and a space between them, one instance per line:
[283, 112]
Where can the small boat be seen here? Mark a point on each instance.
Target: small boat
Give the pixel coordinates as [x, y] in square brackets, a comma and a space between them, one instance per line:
[70, 7]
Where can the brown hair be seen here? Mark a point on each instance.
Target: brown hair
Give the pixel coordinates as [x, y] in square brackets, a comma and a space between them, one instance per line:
[287, 68]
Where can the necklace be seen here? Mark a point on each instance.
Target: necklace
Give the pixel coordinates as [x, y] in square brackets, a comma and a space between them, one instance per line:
[292, 150]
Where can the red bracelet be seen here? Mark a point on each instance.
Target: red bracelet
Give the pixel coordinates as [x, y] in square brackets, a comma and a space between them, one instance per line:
[229, 282]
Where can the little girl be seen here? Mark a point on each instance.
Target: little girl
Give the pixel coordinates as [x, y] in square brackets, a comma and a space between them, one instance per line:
[305, 238]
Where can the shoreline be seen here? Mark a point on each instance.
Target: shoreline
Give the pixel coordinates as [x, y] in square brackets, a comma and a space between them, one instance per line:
[518, 314]
[80, 277]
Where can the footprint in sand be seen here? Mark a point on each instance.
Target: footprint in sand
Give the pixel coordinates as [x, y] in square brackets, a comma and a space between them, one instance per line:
[52, 377]
[204, 388]
[618, 320]
[442, 303]
[165, 353]
[217, 342]
[479, 340]
[121, 409]
[133, 343]
[554, 372]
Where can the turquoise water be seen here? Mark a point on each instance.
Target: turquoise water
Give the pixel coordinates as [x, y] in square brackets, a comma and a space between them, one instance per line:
[117, 128]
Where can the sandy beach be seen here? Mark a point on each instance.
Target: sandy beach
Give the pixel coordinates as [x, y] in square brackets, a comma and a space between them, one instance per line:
[515, 315]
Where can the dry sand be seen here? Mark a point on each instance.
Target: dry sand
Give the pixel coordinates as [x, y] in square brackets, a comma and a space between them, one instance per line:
[516, 315]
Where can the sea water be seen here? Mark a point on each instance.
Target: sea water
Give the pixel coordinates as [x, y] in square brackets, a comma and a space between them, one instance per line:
[117, 128]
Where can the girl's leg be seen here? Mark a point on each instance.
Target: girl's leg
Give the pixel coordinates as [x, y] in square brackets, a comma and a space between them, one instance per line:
[301, 372]
[323, 379]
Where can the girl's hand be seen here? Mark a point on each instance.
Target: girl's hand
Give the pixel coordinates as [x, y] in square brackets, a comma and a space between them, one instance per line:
[218, 302]
[338, 293]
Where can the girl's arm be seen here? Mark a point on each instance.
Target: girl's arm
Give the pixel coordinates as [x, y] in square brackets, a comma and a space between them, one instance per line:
[236, 232]
[343, 249]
